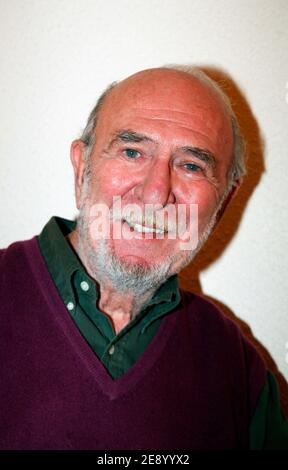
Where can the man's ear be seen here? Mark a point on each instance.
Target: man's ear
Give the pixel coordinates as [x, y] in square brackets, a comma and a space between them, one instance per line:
[77, 156]
[232, 193]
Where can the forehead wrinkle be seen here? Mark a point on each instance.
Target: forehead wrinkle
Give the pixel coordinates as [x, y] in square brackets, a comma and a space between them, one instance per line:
[204, 114]
[183, 122]
[161, 114]
[190, 129]
[171, 109]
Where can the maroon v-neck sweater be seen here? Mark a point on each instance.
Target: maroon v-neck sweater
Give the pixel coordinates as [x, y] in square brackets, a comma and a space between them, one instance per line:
[195, 386]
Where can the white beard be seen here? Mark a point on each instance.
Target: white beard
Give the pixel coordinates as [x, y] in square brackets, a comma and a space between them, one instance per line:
[105, 267]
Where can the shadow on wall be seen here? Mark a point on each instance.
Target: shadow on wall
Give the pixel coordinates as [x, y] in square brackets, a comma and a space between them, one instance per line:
[225, 231]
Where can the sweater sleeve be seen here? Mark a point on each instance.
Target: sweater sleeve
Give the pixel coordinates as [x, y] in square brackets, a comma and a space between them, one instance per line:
[268, 427]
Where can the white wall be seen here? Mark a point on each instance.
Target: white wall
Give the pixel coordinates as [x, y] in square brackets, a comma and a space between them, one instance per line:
[56, 56]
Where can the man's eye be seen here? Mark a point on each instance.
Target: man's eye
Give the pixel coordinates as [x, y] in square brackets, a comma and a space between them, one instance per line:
[131, 153]
[193, 167]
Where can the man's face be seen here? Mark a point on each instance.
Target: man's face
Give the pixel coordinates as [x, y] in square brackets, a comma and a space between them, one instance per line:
[162, 138]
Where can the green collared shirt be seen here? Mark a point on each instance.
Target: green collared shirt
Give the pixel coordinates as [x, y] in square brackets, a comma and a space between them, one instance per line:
[118, 352]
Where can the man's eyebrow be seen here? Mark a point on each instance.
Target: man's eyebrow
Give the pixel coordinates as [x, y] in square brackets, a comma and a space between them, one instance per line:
[127, 135]
[203, 155]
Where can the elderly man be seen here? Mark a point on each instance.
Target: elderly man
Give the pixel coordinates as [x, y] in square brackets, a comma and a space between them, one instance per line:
[99, 347]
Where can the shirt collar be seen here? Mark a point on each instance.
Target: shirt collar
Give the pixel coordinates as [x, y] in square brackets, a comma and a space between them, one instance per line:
[61, 260]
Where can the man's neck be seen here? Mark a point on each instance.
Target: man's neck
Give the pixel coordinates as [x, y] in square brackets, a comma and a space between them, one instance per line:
[120, 308]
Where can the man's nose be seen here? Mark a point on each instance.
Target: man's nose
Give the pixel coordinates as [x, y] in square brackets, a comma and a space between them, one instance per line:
[156, 186]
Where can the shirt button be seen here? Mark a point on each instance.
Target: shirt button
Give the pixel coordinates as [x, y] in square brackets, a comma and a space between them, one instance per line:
[84, 286]
[70, 306]
[111, 350]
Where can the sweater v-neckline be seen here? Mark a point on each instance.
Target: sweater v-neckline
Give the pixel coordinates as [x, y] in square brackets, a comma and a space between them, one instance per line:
[113, 388]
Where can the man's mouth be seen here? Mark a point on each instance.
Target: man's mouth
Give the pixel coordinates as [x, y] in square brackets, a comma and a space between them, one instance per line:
[144, 228]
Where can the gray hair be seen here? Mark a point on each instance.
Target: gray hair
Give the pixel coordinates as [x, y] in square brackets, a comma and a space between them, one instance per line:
[88, 134]
[237, 168]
